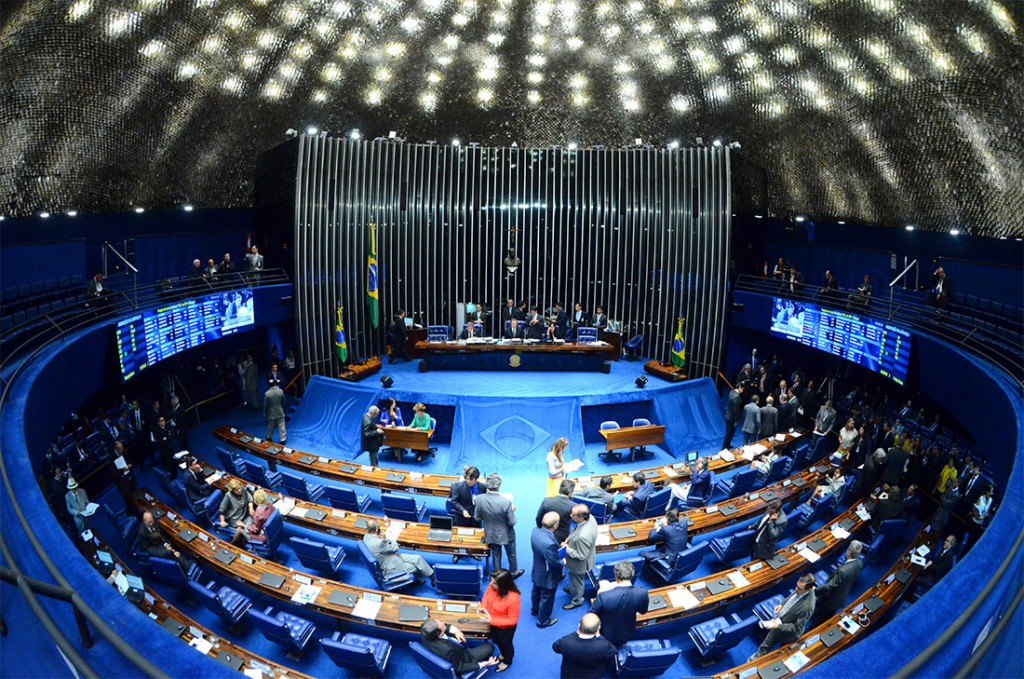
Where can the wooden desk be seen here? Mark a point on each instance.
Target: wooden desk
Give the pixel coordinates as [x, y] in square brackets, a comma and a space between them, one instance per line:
[343, 524]
[360, 475]
[679, 472]
[810, 643]
[518, 356]
[407, 437]
[159, 611]
[701, 521]
[759, 580]
[633, 437]
[206, 545]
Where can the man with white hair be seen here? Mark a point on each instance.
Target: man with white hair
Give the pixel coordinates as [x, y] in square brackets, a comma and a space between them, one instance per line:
[498, 517]
[372, 434]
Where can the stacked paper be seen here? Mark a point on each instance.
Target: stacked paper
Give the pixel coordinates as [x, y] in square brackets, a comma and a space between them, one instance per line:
[809, 555]
[682, 598]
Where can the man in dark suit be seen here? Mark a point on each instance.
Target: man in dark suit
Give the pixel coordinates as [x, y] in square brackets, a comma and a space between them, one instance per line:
[463, 494]
[514, 330]
[619, 604]
[795, 280]
[831, 285]
[371, 434]
[670, 537]
[559, 320]
[579, 316]
[889, 506]
[599, 320]
[767, 531]
[733, 412]
[769, 418]
[163, 439]
[152, 540]
[470, 332]
[510, 311]
[831, 596]
[585, 654]
[534, 324]
[562, 505]
[448, 642]
[547, 570]
[787, 412]
[941, 289]
[935, 568]
[791, 617]
[196, 487]
[273, 410]
[869, 474]
[895, 462]
[601, 494]
[398, 337]
[636, 499]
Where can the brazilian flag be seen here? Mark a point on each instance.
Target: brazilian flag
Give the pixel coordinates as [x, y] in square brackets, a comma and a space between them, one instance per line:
[372, 296]
[340, 341]
[679, 345]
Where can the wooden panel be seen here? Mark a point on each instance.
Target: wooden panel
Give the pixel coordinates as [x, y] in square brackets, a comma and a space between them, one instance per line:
[633, 437]
[407, 437]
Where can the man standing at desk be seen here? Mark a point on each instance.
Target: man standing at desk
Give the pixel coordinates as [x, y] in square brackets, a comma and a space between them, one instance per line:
[372, 434]
[771, 526]
[733, 412]
[547, 570]
[558, 322]
[534, 324]
[600, 320]
[398, 338]
[508, 312]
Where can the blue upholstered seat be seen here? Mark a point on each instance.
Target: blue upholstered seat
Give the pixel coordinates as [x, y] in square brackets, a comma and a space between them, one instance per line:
[640, 451]
[632, 347]
[232, 462]
[273, 531]
[778, 470]
[347, 499]
[608, 455]
[586, 334]
[261, 476]
[713, 637]
[655, 505]
[366, 656]
[388, 584]
[209, 508]
[403, 507]
[685, 563]
[695, 499]
[645, 658]
[298, 487]
[458, 580]
[734, 546]
[765, 610]
[224, 601]
[169, 572]
[738, 483]
[317, 555]
[598, 509]
[282, 628]
[437, 667]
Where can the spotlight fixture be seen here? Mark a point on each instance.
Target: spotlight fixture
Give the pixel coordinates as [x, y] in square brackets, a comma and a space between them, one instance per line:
[841, 221]
[386, 381]
[356, 134]
[456, 142]
[139, 210]
[291, 133]
[44, 215]
[674, 144]
[515, 145]
[2, 218]
[72, 213]
[700, 141]
[638, 141]
[392, 135]
[735, 146]
[909, 227]
[641, 381]
[311, 130]
[572, 146]
[758, 216]
[954, 232]
[187, 207]
[799, 218]
[717, 143]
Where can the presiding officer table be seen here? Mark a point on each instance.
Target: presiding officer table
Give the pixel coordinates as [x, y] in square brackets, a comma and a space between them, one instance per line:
[527, 355]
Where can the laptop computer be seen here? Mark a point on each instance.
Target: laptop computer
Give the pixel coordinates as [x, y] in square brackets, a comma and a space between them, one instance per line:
[440, 529]
[691, 456]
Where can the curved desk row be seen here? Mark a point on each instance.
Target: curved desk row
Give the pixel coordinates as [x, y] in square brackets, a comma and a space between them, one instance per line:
[837, 634]
[333, 598]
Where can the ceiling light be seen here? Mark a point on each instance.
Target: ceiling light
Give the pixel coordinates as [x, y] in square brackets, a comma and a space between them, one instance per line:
[186, 208]
[735, 146]
[44, 215]
[800, 218]
[638, 141]
[311, 130]
[572, 146]
[356, 135]
[954, 232]
[758, 217]
[291, 133]
[717, 143]
[909, 227]
[456, 142]
[72, 213]
[674, 144]
[841, 221]
[140, 210]
[392, 135]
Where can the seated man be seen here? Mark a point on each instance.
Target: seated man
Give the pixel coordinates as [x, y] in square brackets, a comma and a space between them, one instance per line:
[385, 551]
[196, 486]
[670, 536]
[791, 617]
[514, 330]
[700, 482]
[448, 642]
[636, 499]
[600, 493]
[940, 564]
[153, 542]
[862, 296]
[471, 331]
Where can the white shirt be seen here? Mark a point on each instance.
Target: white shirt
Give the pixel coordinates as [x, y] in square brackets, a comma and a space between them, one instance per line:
[982, 506]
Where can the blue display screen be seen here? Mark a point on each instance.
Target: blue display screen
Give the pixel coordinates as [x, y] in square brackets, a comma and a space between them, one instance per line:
[878, 346]
[149, 337]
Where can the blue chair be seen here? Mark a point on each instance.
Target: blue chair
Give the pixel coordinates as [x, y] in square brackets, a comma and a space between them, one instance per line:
[387, 583]
[718, 635]
[765, 610]
[127, 526]
[317, 556]
[365, 656]
[656, 505]
[438, 333]
[299, 488]
[598, 509]
[586, 335]
[432, 450]
[890, 528]
[775, 472]
[285, 629]
[730, 548]
[347, 499]
[609, 455]
[685, 563]
[261, 476]
[403, 507]
[173, 487]
[737, 484]
[231, 462]
[273, 529]
[695, 499]
[437, 667]
[458, 580]
[169, 572]
[645, 658]
[640, 451]
[224, 601]
[632, 347]
[210, 507]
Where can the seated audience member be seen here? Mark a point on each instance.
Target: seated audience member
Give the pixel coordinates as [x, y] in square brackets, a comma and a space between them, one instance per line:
[471, 331]
[795, 280]
[210, 272]
[421, 421]
[699, 485]
[236, 508]
[600, 493]
[95, 289]
[514, 329]
[448, 642]
[889, 506]
[618, 604]
[385, 550]
[196, 272]
[779, 271]
[763, 461]
[831, 285]
[830, 485]
[636, 499]
[791, 617]
[153, 542]
[939, 564]
[863, 295]
[585, 654]
[255, 532]
[196, 485]
[670, 536]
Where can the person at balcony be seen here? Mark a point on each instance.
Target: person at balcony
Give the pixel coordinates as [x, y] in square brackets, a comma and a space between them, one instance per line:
[254, 262]
[795, 280]
[210, 272]
[249, 372]
[779, 272]
[226, 266]
[195, 274]
[96, 290]
[941, 290]
[831, 285]
[863, 295]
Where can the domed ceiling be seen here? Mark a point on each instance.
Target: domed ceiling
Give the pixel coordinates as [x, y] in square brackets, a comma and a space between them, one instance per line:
[877, 111]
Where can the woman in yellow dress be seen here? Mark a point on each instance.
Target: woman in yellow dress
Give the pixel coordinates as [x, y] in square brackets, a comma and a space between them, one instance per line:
[556, 462]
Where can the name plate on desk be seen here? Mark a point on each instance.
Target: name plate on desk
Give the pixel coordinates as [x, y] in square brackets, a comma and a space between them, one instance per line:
[307, 459]
[272, 580]
[348, 468]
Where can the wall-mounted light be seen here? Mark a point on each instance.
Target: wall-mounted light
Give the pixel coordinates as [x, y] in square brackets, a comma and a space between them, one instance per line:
[72, 213]
[139, 210]
[186, 208]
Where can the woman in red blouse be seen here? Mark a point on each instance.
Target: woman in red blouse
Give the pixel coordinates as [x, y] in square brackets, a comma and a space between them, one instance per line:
[259, 517]
[500, 608]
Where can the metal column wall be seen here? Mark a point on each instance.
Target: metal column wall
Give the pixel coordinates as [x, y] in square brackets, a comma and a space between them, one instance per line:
[642, 232]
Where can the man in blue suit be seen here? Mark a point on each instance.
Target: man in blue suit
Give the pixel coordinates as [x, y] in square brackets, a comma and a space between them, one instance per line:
[618, 605]
[636, 499]
[547, 570]
[669, 537]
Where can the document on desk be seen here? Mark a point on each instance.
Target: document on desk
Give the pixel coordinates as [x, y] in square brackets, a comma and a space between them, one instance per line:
[780, 437]
[758, 448]
[917, 560]
[796, 661]
[727, 455]
[839, 533]
[305, 594]
[604, 539]
[862, 513]
[738, 579]
[809, 555]
[682, 598]
[201, 645]
[366, 609]
[120, 463]
[669, 472]
[253, 673]
[285, 505]
[922, 550]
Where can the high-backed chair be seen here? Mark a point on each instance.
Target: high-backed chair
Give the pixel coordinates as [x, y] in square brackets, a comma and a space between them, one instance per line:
[224, 601]
[432, 450]
[765, 610]
[273, 530]
[317, 556]
[458, 580]
[687, 561]
[347, 499]
[775, 472]
[262, 476]
[126, 525]
[436, 667]
[387, 583]
[640, 451]
[609, 455]
[365, 656]
[632, 347]
[655, 505]
[606, 570]
[696, 499]
[170, 485]
[645, 658]
[285, 629]
[714, 637]
[403, 507]
[232, 462]
[438, 333]
[598, 509]
[738, 483]
[299, 488]
[586, 335]
[169, 572]
[734, 546]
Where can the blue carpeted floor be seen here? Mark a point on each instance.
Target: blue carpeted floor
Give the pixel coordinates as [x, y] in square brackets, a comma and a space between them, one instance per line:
[524, 477]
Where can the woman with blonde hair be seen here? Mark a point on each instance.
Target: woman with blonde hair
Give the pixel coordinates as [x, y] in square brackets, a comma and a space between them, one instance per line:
[254, 532]
[556, 464]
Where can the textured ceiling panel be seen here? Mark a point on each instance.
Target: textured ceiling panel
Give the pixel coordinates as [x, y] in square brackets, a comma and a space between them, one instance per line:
[881, 111]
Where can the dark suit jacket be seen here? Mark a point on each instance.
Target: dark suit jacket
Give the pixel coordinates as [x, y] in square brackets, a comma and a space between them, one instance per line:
[398, 330]
[535, 331]
[795, 620]
[887, 509]
[196, 489]
[600, 320]
[832, 595]
[453, 652]
[670, 538]
[583, 658]
[561, 320]
[941, 565]
[617, 609]
[700, 483]
[153, 546]
[462, 498]
[508, 314]
[895, 460]
[507, 333]
[766, 536]
[370, 438]
[465, 332]
[734, 409]
[584, 319]
[547, 567]
[639, 499]
[563, 506]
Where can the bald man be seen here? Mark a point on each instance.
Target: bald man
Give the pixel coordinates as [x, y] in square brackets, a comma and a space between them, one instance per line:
[585, 654]
[547, 569]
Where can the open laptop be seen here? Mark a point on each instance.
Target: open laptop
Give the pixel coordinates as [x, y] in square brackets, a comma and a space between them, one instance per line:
[440, 529]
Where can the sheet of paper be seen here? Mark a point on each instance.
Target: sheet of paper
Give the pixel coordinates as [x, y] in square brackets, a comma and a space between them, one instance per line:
[916, 560]
[727, 456]
[305, 594]
[738, 579]
[848, 625]
[748, 454]
[669, 472]
[682, 598]
[809, 555]
[604, 539]
[284, 505]
[573, 465]
[366, 609]
[201, 645]
[780, 437]
[863, 513]
[796, 661]
[253, 673]
[758, 448]
[90, 509]
[922, 550]
[214, 478]
[839, 533]
[120, 463]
